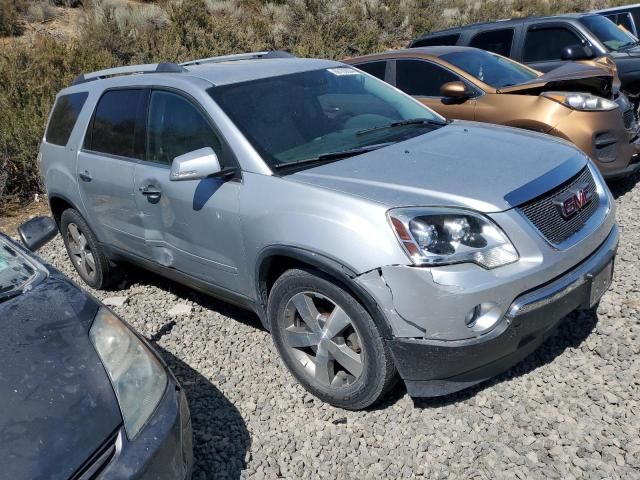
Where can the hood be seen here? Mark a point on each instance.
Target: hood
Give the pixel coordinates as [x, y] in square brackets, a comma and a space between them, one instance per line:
[465, 164]
[570, 77]
[57, 406]
[627, 60]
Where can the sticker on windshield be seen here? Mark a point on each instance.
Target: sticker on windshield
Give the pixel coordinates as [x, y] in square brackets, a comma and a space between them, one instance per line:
[340, 71]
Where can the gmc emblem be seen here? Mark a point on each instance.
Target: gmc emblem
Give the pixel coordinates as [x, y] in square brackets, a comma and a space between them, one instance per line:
[573, 201]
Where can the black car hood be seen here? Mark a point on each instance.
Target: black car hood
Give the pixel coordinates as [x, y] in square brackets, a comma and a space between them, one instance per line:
[57, 405]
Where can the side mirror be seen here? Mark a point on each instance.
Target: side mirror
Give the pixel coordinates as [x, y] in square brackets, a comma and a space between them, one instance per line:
[37, 232]
[576, 52]
[195, 165]
[456, 90]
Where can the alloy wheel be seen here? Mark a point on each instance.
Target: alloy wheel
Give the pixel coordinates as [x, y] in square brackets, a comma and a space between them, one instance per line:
[322, 337]
[80, 252]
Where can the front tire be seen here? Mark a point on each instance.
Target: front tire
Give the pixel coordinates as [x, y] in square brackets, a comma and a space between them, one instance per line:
[86, 254]
[328, 340]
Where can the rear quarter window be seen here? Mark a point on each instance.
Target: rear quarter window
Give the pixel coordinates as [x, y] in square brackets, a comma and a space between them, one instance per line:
[63, 118]
[446, 40]
[377, 69]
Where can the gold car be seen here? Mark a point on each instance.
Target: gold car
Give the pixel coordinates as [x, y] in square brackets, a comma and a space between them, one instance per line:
[578, 102]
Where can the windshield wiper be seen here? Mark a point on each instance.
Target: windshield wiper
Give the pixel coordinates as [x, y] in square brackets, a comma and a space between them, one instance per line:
[629, 45]
[328, 157]
[403, 123]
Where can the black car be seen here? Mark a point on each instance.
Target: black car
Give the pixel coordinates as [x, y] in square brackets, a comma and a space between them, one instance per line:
[545, 43]
[81, 394]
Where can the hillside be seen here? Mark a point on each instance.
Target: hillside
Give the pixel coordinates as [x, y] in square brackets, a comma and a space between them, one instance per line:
[46, 43]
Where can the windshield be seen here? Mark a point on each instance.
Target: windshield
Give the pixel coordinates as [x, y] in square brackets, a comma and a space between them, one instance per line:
[613, 37]
[296, 118]
[16, 271]
[490, 68]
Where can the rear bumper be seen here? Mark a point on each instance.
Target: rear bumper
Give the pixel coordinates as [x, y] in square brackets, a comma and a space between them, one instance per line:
[434, 368]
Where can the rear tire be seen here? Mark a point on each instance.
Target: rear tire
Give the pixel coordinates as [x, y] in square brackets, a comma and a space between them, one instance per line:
[86, 254]
[328, 340]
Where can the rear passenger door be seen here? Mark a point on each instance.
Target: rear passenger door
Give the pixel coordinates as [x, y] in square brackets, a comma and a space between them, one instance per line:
[113, 143]
[422, 79]
[192, 225]
[543, 44]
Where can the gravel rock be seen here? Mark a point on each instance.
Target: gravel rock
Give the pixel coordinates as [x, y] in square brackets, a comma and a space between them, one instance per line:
[179, 310]
[570, 410]
[115, 301]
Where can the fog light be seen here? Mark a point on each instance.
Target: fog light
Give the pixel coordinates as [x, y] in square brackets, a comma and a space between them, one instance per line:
[483, 317]
[472, 316]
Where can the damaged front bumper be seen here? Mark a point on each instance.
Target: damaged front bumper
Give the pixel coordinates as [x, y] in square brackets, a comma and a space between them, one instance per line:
[434, 362]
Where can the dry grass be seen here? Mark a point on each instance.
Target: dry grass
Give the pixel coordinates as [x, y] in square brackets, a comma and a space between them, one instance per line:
[105, 33]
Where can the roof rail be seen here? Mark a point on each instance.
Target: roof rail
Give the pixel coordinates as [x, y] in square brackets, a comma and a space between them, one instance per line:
[240, 56]
[131, 69]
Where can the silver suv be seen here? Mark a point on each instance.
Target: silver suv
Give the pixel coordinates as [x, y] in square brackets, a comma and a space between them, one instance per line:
[371, 237]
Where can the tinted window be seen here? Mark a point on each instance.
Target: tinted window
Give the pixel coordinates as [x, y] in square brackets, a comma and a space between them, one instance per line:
[497, 41]
[441, 40]
[607, 32]
[490, 68]
[376, 69]
[302, 116]
[547, 43]
[420, 78]
[118, 126]
[176, 127]
[64, 116]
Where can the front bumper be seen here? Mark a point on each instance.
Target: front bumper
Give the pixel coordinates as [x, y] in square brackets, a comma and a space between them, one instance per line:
[163, 448]
[439, 367]
[604, 137]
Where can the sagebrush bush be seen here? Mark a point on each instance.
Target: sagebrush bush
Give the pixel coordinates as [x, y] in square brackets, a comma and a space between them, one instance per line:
[120, 32]
[9, 20]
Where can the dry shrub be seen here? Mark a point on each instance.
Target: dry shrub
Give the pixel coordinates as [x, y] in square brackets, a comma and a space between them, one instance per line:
[119, 32]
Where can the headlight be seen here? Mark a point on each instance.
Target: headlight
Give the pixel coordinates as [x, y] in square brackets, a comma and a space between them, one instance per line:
[444, 236]
[581, 101]
[137, 376]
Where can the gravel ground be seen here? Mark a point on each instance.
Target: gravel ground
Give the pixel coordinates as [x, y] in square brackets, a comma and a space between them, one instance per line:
[571, 410]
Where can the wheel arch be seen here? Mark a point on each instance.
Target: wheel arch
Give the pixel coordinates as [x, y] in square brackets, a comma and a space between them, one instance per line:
[58, 204]
[274, 260]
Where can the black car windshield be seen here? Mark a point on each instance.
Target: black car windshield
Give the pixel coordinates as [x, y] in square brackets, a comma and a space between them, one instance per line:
[322, 115]
[492, 69]
[613, 37]
[16, 271]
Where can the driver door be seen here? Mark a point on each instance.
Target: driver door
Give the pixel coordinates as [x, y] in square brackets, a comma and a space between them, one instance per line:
[190, 225]
[422, 79]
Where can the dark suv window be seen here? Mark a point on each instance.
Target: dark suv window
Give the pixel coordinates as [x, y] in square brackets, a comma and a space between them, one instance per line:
[64, 116]
[434, 41]
[118, 126]
[544, 44]
[421, 78]
[497, 41]
[177, 127]
[376, 69]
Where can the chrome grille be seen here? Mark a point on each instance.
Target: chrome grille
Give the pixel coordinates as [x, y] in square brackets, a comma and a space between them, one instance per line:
[546, 216]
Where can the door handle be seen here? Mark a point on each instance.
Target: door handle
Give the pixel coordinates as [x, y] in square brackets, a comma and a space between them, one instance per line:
[150, 192]
[85, 176]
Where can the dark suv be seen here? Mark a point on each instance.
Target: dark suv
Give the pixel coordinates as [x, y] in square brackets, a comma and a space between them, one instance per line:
[545, 43]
